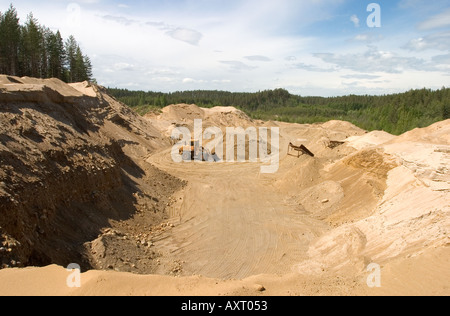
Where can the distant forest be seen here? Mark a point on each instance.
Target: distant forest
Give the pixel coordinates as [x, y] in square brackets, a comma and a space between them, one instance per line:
[34, 50]
[396, 113]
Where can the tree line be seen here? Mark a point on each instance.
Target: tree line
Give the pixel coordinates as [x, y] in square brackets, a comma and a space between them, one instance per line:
[36, 51]
[395, 113]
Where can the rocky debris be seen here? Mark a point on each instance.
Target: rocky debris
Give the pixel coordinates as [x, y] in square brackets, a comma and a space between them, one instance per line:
[176, 268]
[8, 251]
[129, 249]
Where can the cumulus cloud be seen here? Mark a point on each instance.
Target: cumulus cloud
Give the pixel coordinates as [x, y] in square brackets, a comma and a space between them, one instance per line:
[442, 59]
[221, 81]
[437, 21]
[439, 41]
[313, 68]
[191, 80]
[354, 18]
[367, 38]
[237, 65]
[258, 58]
[162, 71]
[374, 60]
[162, 79]
[185, 35]
[120, 19]
[123, 67]
[361, 76]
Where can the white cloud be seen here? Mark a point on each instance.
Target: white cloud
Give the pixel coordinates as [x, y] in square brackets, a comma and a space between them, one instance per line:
[237, 65]
[190, 80]
[354, 18]
[362, 37]
[163, 79]
[374, 60]
[438, 21]
[221, 81]
[120, 19]
[186, 35]
[258, 58]
[123, 67]
[442, 59]
[163, 71]
[361, 76]
[313, 68]
[367, 38]
[439, 41]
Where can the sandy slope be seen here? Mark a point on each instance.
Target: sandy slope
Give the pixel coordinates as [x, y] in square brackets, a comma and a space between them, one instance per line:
[312, 228]
[426, 274]
[72, 177]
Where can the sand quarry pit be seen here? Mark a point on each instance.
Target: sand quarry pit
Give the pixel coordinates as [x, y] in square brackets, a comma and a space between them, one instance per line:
[85, 180]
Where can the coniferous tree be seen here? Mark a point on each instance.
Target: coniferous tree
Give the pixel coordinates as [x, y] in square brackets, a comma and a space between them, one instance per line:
[56, 55]
[32, 52]
[87, 68]
[71, 46]
[446, 110]
[79, 71]
[9, 42]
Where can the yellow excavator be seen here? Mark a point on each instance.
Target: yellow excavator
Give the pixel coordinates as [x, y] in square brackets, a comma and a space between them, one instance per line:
[196, 152]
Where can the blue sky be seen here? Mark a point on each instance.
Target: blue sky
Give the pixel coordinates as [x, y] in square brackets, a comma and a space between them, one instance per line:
[314, 47]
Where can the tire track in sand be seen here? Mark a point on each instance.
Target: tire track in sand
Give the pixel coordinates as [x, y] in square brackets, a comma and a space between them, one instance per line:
[232, 224]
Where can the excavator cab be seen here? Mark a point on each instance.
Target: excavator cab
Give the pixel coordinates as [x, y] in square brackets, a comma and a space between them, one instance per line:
[194, 151]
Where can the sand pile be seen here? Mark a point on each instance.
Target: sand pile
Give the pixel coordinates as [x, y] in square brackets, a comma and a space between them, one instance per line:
[184, 115]
[72, 164]
[411, 217]
[182, 112]
[438, 133]
[370, 139]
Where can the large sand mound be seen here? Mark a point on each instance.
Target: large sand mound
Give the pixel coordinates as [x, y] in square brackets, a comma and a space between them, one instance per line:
[370, 139]
[438, 133]
[184, 115]
[413, 214]
[72, 164]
